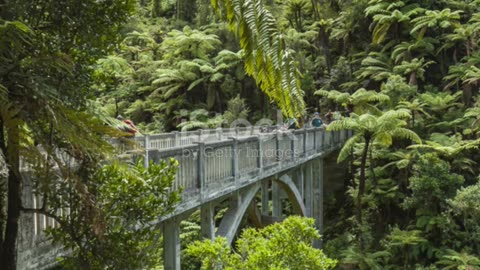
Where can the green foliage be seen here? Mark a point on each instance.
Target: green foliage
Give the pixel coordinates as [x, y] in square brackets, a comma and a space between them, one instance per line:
[199, 119]
[267, 57]
[460, 261]
[112, 228]
[236, 109]
[361, 100]
[364, 261]
[431, 183]
[381, 129]
[405, 243]
[285, 245]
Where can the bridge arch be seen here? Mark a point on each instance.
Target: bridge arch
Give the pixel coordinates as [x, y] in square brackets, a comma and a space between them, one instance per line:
[293, 194]
[234, 215]
[232, 218]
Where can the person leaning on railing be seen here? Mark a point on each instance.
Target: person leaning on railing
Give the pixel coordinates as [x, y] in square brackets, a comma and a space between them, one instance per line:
[127, 126]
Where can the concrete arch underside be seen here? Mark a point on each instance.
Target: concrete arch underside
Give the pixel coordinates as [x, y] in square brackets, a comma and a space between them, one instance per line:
[244, 202]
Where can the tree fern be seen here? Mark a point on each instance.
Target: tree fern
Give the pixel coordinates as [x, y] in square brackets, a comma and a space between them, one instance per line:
[434, 18]
[458, 260]
[376, 66]
[361, 100]
[369, 129]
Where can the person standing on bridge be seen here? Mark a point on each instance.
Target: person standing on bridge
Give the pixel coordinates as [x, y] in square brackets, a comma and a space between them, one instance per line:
[328, 117]
[316, 120]
[127, 126]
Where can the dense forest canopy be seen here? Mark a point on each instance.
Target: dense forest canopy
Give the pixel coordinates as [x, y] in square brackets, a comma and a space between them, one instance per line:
[404, 74]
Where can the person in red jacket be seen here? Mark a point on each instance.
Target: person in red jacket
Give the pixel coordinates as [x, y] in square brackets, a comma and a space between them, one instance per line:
[127, 126]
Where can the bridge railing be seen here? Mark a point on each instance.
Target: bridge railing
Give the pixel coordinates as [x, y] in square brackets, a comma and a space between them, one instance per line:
[206, 168]
[185, 138]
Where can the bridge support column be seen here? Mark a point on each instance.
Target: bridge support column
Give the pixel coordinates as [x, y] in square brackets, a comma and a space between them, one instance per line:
[298, 180]
[318, 198]
[308, 191]
[276, 202]
[265, 198]
[171, 244]
[207, 213]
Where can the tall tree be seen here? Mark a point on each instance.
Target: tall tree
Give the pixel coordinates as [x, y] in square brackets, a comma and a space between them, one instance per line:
[45, 53]
[369, 129]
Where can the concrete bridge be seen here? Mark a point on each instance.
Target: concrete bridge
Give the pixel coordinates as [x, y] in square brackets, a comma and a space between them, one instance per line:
[252, 168]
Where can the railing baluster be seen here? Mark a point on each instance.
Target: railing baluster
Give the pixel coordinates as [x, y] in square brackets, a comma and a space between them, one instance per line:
[201, 169]
[235, 157]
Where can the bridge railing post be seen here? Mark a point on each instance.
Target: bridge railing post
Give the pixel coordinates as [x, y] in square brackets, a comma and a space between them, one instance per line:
[292, 138]
[177, 139]
[201, 169]
[334, 136]
[235, 158]
[277, 146]
[147, 148]
[304, 134]
[260, 153]
[219, 133]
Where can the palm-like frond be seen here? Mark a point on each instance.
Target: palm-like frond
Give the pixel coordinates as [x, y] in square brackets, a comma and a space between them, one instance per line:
[112, 66]
[472, 75]
[377, 66]
[267, 58]
[417, 48]
[347, 148]
[172, 80]
[459, 260]
[136, 38]
[379, 129]
[434, 18]
[416, 66]
[448, 146]
[189, 44]
[14, 36]
[362, 100]
[440, 101]
[456, 74]
[386, 14]
[374, 261]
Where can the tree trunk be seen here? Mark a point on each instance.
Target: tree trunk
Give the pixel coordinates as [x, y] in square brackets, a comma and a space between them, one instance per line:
[325, 46]
[467, 94]
[413, 79]
[8, 256]
[413, 118]
[156, 8]
[361, 186]
[372, 168]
